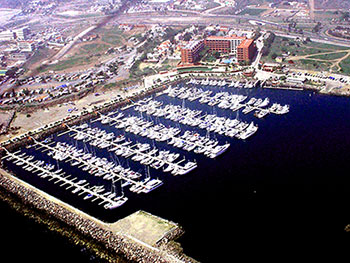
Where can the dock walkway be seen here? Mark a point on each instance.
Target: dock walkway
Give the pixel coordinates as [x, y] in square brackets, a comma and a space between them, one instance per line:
[80, 160]
[132, 151]
[60, 178]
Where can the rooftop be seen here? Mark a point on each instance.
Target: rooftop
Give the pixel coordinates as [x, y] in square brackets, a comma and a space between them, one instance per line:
[232, 37]
[192, 44]
[246, 43]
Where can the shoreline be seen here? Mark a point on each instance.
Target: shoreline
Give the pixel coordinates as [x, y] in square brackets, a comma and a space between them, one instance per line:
[58, 227]
[125, 244]
[118, 242]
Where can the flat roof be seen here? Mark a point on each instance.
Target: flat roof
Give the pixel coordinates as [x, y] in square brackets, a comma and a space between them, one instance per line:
[246, 43]
[144, 226]
[192, 44]
[232, 37]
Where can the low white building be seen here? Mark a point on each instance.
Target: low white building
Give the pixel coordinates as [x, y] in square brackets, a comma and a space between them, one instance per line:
[296, 80]
[26, 46]
[7, 35]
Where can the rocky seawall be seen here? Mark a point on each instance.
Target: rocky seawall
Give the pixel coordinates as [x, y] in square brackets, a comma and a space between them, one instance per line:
[119, 243]
[165, 250]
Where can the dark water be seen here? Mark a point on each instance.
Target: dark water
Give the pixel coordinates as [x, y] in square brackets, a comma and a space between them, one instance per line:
[290, 181]
[24, 240]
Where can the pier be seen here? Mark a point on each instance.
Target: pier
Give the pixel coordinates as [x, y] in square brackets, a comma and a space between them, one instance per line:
[118, 237]
[139, 184]
[131, 150]
[81, 187]
[283, 88]
[189, 141]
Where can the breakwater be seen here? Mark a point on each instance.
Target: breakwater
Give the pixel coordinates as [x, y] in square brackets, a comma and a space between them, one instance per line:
[39, 220]
[119, 243]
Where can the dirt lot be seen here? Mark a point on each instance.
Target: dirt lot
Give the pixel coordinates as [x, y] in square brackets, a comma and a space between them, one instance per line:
[41, 117]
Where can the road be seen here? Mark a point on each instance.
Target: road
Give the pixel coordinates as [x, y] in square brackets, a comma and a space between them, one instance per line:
[66, 48]
[203, 18]
[259, 45]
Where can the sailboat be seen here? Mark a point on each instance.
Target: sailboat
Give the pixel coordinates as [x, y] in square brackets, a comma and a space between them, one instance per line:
[117, 201]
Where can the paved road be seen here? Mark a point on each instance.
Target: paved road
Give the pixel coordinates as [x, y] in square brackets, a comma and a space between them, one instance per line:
[66, 48]
[173, 18]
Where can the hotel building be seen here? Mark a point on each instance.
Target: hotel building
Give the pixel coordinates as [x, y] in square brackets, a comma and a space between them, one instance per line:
[190, 53]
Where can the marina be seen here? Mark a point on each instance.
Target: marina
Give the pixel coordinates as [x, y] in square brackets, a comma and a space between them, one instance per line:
[134, 149]
[227, 100]
[80, 187]
[268, 173]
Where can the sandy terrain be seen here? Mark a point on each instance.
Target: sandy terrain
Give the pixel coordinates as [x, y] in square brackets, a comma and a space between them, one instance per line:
[60, 111]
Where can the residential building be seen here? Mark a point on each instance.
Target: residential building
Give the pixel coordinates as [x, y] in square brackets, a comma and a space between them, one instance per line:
[190, 53]
[246, 50]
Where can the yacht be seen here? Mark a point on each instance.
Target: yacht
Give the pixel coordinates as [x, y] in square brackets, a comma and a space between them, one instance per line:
[151, 185]
[214, 152]
[251, 129]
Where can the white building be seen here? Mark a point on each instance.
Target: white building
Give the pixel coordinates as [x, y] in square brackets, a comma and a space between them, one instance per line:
[26, 46]
[22, 33]
[7, 36]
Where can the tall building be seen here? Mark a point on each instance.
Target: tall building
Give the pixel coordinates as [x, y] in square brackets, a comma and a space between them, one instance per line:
[246, 50]
[190, 53]
[224, 44]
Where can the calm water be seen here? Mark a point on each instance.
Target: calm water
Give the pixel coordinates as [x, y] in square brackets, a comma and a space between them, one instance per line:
[291, 179]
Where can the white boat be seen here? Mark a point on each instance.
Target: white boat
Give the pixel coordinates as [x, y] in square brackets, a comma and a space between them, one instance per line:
[116, 204]
[218, 150]
[251, 129]
[188, 167]
[151, 185]
[261, 113]
[265, 102]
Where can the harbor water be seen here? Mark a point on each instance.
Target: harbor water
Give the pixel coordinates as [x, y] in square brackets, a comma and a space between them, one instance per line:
[289, 179]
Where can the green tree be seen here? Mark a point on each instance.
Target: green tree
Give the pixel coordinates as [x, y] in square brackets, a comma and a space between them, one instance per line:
[274, 55]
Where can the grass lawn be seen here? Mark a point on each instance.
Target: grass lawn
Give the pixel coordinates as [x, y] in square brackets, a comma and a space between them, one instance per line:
[86, 54]
[112, 36]
[330, 56]
[70, 63]
[326, 15]
[40, 55]
[345, 66]
[313, 64]
[193, 69]
[283, 45]
[94, 48]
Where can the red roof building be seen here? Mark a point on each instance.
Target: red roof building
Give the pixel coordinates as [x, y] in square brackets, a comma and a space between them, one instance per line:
[246, 50]
[223, 44]
[190, 53]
